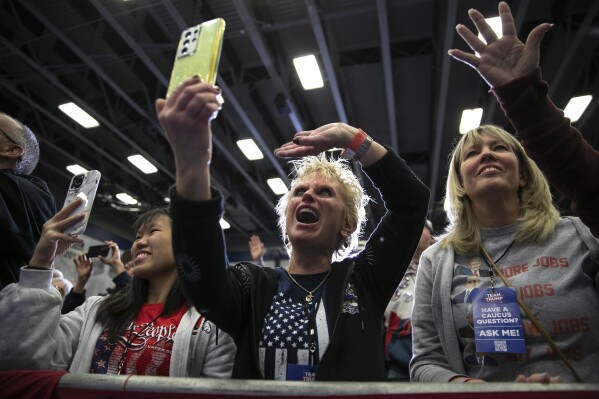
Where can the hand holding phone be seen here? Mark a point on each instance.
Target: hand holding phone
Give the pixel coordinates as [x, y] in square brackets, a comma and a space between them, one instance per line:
[82, 186]
[198, 53]
[98, 250]
[53, 241]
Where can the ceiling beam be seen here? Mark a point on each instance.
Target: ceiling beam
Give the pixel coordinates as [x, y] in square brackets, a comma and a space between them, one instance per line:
[381, 8]
[132, 43]
[89, 61]
[448, 35]
[573, 47]
[267, 60]
[325, 55]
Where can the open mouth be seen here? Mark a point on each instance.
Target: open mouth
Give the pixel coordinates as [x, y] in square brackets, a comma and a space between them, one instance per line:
[307, 216]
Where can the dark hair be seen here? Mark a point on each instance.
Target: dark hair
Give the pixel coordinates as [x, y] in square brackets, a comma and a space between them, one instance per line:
[119, 309]
[31, 149]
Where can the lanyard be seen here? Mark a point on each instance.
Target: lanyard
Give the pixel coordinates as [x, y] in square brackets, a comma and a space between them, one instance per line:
[494, 262]
[532, 316]
[123, 358]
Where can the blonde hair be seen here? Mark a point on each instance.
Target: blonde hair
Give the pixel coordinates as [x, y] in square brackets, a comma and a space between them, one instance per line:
[352, 194]
[538, 216]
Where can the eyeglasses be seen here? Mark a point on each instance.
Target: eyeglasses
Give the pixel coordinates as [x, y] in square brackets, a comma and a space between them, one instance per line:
[8, 137]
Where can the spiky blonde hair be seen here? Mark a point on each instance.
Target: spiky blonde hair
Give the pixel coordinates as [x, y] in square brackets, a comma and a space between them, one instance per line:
[352, 193]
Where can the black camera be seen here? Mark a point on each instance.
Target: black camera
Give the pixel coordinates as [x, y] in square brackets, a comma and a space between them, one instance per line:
[77, 182]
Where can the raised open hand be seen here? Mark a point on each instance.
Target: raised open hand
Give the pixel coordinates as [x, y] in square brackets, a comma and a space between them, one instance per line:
[83, 267]
[257, 249]
[313, 142]
[53, 242]
[501, 60]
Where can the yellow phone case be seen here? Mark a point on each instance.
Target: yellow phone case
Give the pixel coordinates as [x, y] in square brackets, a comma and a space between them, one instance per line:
[198, 53]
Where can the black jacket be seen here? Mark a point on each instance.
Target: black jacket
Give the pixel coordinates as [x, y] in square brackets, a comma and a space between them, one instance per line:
[25, 205]
[237, 298]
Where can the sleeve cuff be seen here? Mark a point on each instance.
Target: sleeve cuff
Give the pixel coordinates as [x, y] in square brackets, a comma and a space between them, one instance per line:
[183, 210]
[35, 278]
[77, 295]
[122, 278]
[514, 89]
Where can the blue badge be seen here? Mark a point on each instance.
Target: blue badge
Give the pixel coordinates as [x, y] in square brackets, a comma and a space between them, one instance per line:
[301, 372]
[497, 322]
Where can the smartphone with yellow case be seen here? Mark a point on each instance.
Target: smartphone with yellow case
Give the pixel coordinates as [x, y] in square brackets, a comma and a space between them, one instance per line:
[198, 53]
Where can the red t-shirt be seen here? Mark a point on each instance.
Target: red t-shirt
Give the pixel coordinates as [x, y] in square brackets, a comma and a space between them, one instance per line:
[145, 345]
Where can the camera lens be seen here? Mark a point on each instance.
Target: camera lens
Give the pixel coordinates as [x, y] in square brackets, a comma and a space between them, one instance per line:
[77, 181]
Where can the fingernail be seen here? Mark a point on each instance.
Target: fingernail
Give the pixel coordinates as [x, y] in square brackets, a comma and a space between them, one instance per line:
[295, 140]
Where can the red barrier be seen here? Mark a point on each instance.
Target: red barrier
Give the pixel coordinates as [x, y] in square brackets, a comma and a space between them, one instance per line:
[26, 384]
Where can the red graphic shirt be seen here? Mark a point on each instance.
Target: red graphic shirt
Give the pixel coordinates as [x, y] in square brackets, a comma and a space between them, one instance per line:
[144, 347]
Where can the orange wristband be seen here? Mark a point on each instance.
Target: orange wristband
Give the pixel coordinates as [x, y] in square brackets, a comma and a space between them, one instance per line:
[355, 145]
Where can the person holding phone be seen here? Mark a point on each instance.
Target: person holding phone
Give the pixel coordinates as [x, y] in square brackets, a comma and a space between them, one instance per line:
[25, 201]
[511, 68]
[148, 328]
[334, 303]
[84, 264]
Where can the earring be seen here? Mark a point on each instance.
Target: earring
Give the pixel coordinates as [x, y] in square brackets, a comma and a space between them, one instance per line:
[286, 240]
[346, 240]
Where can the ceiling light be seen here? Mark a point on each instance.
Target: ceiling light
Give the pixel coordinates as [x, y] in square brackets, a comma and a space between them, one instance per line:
[576, 106]
[224, 224]
[308, 72]
[250, 149]
[167, 199]
[277, 186]
[78, 115]
[495, 24]
[470, 119]
[127, 199]
[142, 164]
[76, 169]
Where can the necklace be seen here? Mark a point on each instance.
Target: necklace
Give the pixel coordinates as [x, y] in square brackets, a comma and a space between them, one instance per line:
[486, 255]
[123, 357]
[310, 296]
